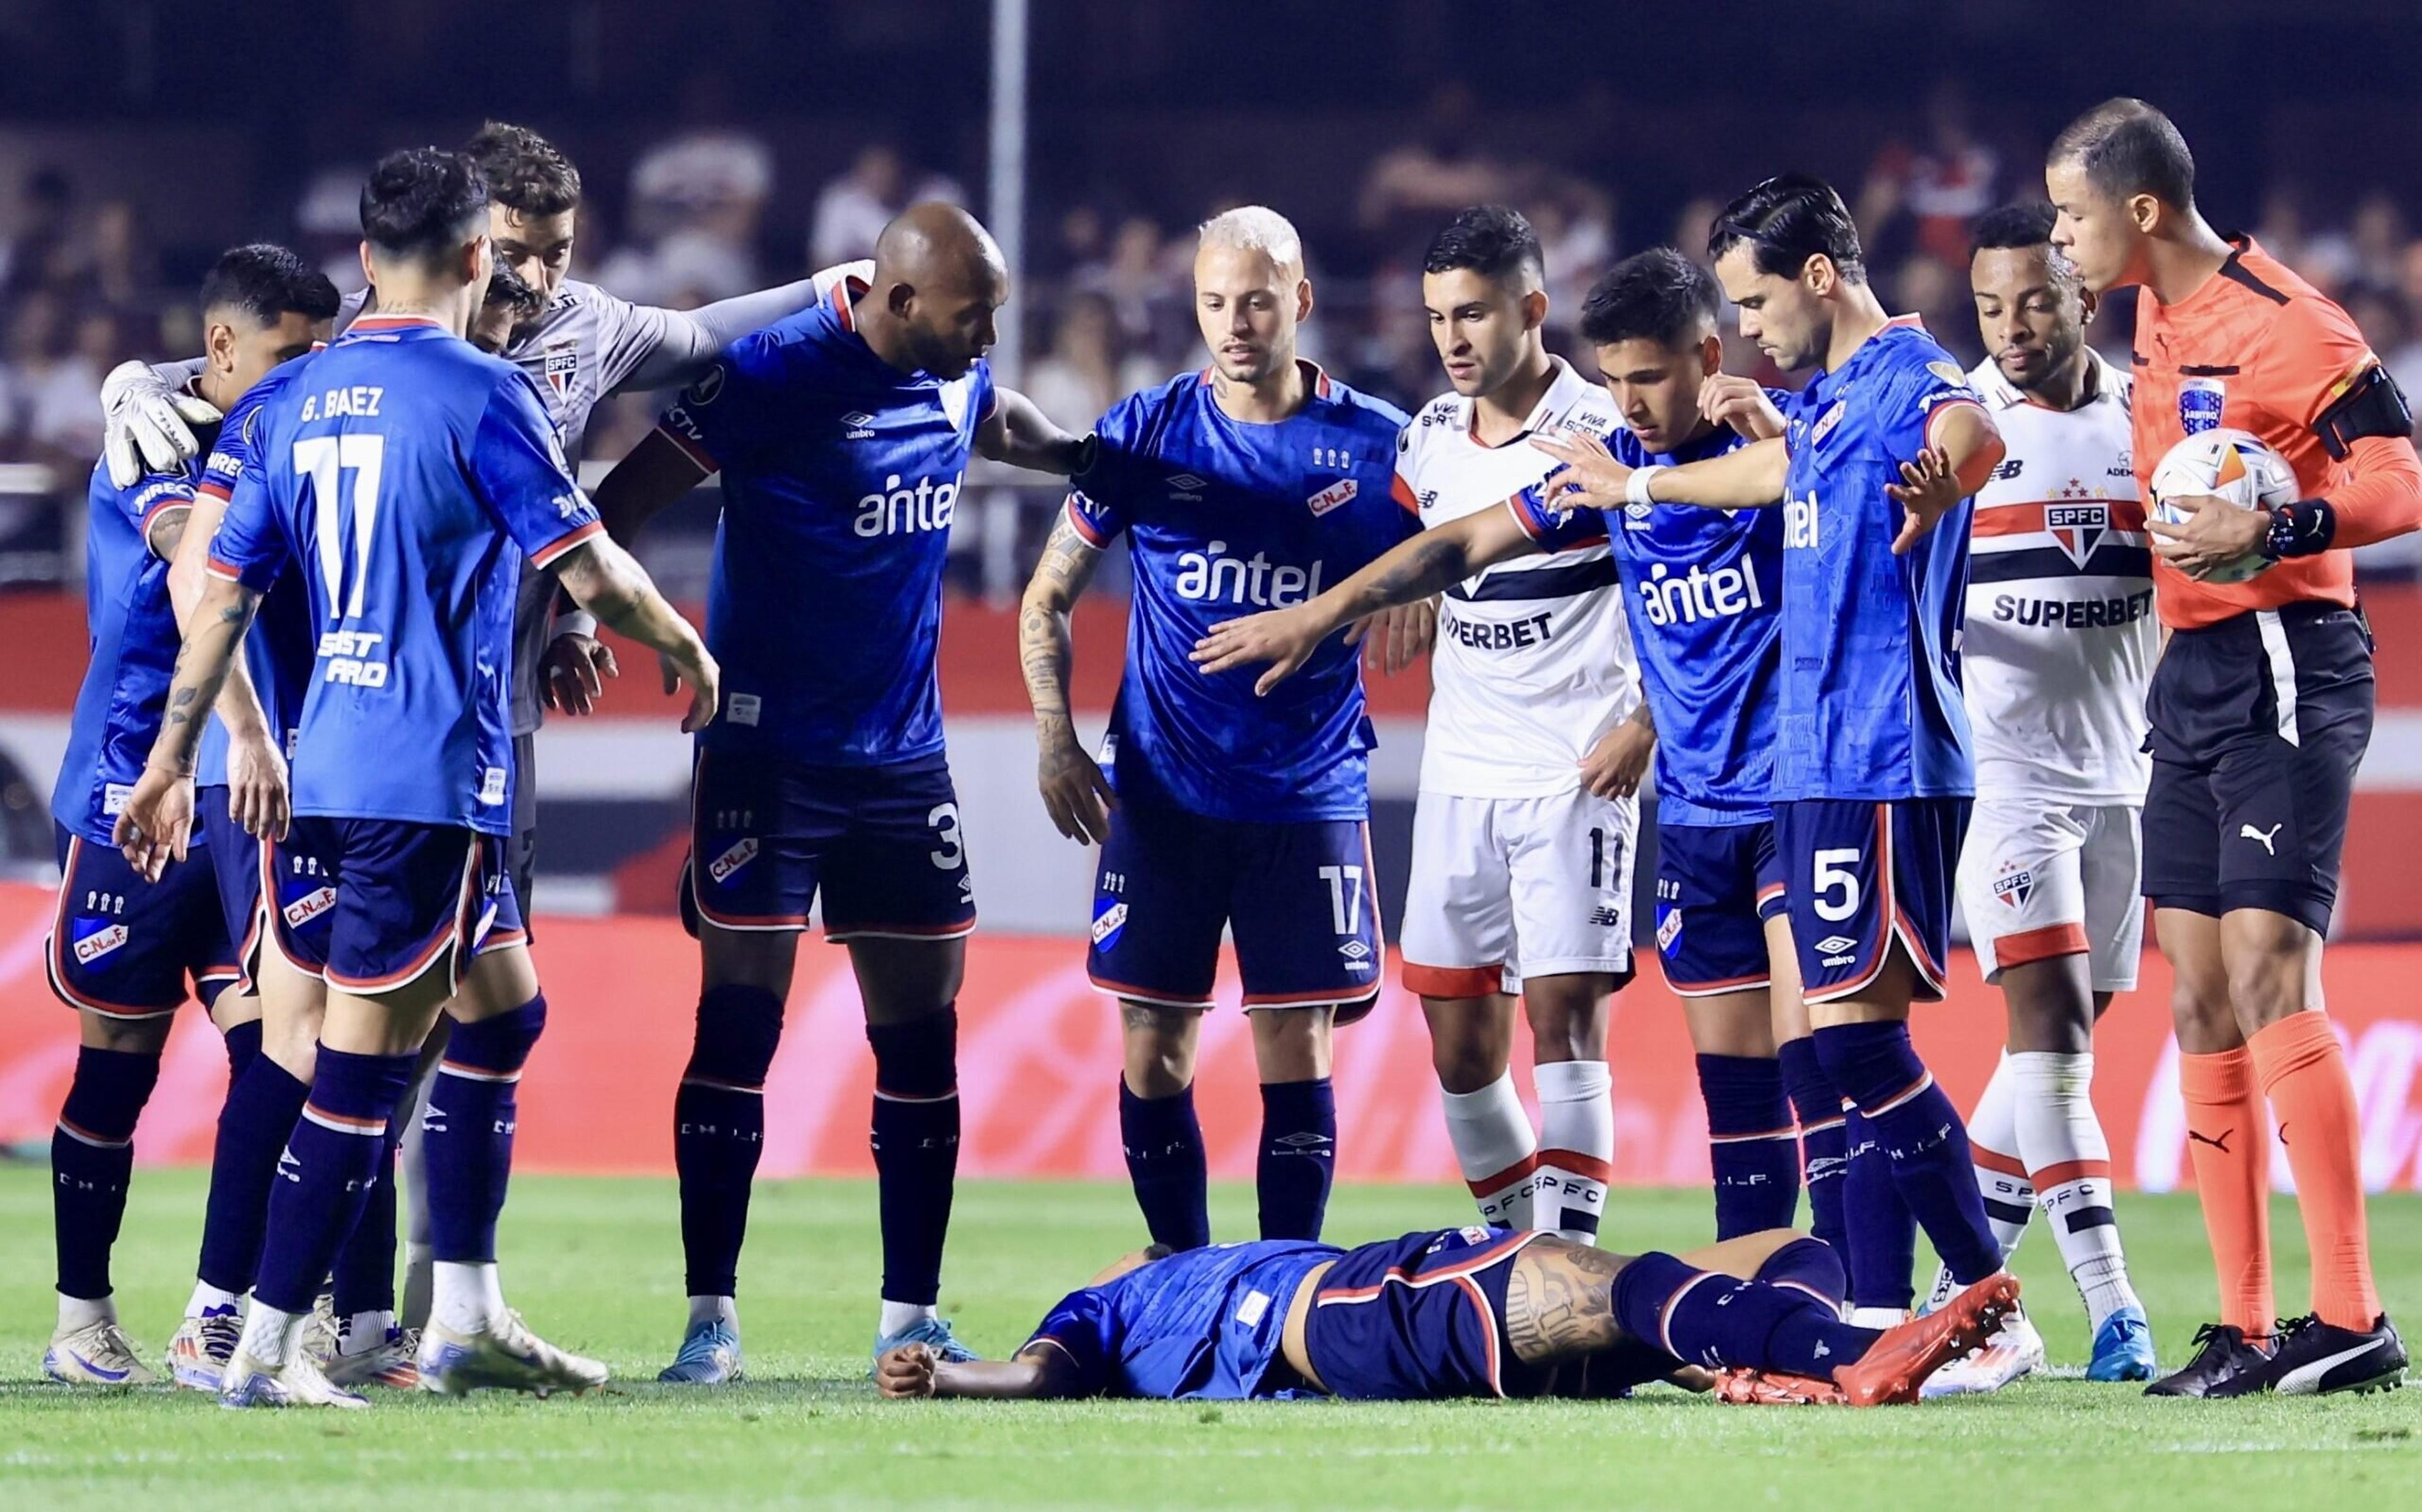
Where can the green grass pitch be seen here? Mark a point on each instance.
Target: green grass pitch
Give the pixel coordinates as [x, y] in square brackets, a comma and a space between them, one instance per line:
[596, 1265]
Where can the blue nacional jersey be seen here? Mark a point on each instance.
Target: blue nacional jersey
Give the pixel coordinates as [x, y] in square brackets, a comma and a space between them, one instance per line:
[1703, 592]
[1225, 518]
[132, 642]
[277, 651]
[1207, 1323]
[841, 474]
[404, 474]
[1871, 707]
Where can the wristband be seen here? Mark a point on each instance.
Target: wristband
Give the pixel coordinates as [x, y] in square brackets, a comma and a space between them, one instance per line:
[2305, 528]
[577, 622]
[1635, 488]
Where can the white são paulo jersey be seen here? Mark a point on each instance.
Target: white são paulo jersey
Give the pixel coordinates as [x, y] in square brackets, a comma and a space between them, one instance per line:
[1533, 662]
[2060, 636]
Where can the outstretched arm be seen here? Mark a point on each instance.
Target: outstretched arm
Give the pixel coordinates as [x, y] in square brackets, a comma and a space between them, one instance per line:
[1416, 567]
[606, 580]
[1019, 433]
[913, 1371]
[1075, 792]
[1746, 478]
[687, 341]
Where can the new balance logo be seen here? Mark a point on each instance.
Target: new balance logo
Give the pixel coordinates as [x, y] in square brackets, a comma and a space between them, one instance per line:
[2221, 1144]
[2008, 470]
[2247, 831]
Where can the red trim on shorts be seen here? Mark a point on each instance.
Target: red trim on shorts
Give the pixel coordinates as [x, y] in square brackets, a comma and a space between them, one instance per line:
[1887, 912]
[1152, 995]
[2030, 946]
[1397, 1275]
[898, 931]
[1994, 1160]
[2053, 1175]
[1730, 984]
[1336, 996]
[1587, 1166]
[55, 959]
[1451, 981]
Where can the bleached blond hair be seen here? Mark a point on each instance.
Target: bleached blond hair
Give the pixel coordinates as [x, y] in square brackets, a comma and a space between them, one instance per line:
[1257, 228]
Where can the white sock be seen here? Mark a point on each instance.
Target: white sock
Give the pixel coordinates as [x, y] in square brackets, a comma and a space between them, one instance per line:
[897, 1316]
[468, 1299]
[1576, 1146]
[1495, 1148]
[83, 1312]
[713, 1309]
[2063, 1144]
[420, 1282]
[270, 1335]
[2001, 1174]
[208, 1299]
[1874, 1317]
[361, 1332]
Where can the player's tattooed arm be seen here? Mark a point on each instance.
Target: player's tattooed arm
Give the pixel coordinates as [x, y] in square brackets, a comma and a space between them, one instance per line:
[1075, 792]
[1018, 432]
[153, 827]
[1559, 1303]
[258, 797]
[1415, 568]
[913, 1371]
[609, 583]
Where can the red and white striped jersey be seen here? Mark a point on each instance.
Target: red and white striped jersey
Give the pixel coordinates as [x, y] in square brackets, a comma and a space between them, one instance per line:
[2061, 635]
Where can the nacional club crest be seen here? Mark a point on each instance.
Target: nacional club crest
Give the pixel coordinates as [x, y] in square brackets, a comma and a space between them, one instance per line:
[2015, 885]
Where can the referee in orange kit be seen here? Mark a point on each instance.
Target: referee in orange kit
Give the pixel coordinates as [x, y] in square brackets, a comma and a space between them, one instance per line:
[2260, 708]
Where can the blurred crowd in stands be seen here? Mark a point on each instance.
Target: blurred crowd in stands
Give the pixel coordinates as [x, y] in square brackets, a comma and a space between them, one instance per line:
[1104, 285]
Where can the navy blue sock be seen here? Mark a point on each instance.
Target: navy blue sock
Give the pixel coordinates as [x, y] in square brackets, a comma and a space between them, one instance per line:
[1717, 1320]
[916, 1142]
[1752, 1143]
[1165, 1161]
[1920, 1132]
[363, 1275]
[329, 1166]
[719, 1130]
[1824, 1145]
[1298, 1156]
[243, 1045]
[261, 1107]
[1883, 1232]
[92, 1155]
[1812, 1266]
[467, 1132]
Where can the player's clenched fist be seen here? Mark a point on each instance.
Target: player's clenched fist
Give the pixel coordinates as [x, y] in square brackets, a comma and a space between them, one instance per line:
[1740, 402]
[906, 1372]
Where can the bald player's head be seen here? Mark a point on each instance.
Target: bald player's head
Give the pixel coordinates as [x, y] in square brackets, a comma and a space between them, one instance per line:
[938, 277]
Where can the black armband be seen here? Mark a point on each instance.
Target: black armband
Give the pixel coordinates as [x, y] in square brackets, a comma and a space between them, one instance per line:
[1089, 454]
[2303, 528]
[2372, 405]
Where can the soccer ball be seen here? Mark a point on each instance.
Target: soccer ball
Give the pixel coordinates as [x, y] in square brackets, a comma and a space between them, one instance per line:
[2231, 465]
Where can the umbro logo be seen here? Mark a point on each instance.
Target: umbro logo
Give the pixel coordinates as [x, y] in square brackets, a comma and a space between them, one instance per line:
[857, 426]
[1833, 944]
[1354, 950]
[1187, 488]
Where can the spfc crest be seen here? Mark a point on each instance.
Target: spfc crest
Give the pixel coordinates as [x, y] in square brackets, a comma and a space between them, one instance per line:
[2077, 528]
[562, 365]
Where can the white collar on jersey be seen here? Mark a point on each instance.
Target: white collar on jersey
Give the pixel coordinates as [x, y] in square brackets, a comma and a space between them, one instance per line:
[1566, 389]
[1986, 379]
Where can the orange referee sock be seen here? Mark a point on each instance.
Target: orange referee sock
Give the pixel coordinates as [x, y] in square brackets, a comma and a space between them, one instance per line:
[2304, 1074]
[2228, 1138]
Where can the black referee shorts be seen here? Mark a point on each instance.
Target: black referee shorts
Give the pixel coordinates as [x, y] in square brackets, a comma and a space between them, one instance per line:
[2258, 723]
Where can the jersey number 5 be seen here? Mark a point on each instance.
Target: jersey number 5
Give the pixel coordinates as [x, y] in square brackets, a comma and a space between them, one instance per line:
[327, 459]
[1835, 885]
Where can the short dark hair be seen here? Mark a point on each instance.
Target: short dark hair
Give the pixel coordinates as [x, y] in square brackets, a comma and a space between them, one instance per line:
[2025, 223]
[524, 171]
[1659, 295]
[424, 202]
[266, 281]
[2127, 147]
[1493, 241]
[509, 288]
[1788, 220]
